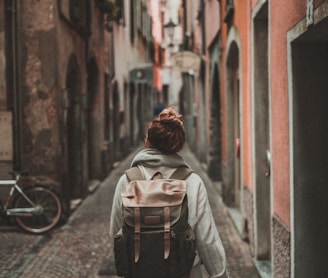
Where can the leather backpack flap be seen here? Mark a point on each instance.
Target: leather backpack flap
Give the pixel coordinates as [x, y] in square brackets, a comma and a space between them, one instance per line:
[152, 197]
[154, 193]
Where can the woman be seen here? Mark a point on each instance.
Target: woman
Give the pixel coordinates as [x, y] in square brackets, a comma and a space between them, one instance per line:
[165, 137]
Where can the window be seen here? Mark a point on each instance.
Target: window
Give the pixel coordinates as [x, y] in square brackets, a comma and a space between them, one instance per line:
[79, 12]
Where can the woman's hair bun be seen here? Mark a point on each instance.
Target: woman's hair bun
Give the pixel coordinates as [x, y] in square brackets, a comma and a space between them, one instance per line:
[166, 132]
[169, 115]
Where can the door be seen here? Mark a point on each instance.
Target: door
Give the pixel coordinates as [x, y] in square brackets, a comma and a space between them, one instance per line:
[262, 154]
[236, 135]
[234, 143]
[74, 132]
[310, 152]
[94, 163]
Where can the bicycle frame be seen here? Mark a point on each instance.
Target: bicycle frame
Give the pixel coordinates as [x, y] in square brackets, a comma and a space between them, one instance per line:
[28, 212]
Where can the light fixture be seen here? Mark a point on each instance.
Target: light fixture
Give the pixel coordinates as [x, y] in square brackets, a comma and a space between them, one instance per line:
[170, 28]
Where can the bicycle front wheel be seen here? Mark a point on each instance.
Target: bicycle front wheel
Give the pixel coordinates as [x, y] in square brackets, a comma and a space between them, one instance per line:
[45, 213]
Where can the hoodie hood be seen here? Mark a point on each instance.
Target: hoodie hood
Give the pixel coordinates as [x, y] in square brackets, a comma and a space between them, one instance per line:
[153, 158]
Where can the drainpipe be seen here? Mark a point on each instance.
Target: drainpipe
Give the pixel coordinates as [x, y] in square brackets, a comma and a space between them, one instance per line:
[12, 7]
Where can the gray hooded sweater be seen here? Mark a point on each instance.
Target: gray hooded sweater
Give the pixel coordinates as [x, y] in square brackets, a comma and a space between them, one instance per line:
[210, 250]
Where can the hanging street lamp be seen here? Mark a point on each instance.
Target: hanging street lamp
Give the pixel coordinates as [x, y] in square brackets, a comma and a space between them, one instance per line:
[170, 28]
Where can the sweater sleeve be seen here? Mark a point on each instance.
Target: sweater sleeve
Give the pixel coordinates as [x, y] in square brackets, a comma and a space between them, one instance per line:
[116, 219]
[209, 244]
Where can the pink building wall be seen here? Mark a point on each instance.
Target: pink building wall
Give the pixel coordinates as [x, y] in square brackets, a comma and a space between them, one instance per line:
[283, 16]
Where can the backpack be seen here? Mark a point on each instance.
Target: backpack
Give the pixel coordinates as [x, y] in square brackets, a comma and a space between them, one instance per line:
[156, 240]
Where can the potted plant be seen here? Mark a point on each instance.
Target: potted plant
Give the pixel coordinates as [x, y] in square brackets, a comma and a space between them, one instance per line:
[110, 8]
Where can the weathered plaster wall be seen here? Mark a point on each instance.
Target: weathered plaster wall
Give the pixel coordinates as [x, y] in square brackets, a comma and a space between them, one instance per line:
[40, 136]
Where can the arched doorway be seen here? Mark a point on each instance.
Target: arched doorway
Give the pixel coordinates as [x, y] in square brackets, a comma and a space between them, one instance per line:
[233, 145]
[116, 122]
[74, 130]
[261, 143]
[215, 169]
[201, 111]
[262, 155]
[94, 166]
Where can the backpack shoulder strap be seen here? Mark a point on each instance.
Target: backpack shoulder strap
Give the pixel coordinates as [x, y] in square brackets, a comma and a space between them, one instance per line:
[134, 174]
[181, 173]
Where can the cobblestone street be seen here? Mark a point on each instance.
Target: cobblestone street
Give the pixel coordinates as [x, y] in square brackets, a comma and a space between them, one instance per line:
[81, 248]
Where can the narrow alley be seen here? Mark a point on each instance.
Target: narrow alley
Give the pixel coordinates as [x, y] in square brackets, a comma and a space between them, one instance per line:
[80, 80]
[81, 247]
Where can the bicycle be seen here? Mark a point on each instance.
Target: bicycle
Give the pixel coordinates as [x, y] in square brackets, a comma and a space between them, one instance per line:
[37, 209]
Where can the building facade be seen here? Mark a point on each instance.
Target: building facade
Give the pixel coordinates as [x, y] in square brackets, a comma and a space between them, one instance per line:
[262, 84]
[71, 87]
[79, 80]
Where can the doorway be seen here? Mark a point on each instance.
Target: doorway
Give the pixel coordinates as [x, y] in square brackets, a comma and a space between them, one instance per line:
[94, 166]
[309, 155]
[233, 197]
[74, 130]
[133, 112]
[116, 122]
[261, 123]
[214, 169]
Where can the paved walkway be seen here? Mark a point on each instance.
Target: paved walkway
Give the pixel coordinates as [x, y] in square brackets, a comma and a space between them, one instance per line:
[81, 248]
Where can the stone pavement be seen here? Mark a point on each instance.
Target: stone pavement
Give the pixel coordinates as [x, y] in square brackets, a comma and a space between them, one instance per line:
[81, 247]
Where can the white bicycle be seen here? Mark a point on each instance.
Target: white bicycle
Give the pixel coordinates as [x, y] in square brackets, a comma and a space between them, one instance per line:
[36, 209]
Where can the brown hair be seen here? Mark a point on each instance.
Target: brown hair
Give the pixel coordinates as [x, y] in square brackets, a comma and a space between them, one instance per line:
[166, 132]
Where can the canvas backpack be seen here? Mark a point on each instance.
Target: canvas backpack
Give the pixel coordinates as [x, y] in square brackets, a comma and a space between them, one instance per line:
[156, 240]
